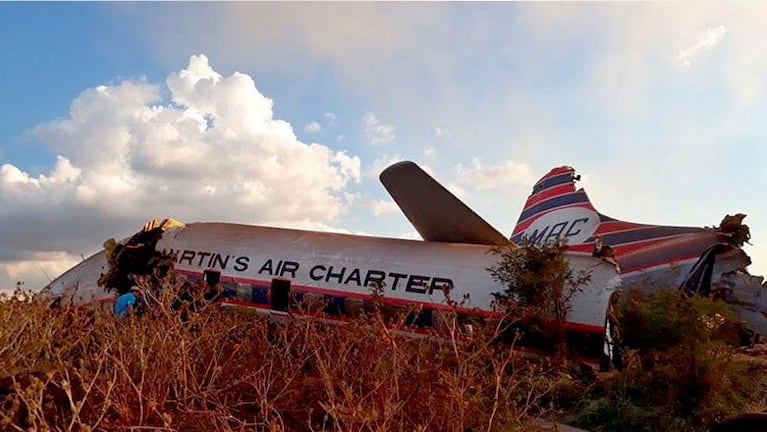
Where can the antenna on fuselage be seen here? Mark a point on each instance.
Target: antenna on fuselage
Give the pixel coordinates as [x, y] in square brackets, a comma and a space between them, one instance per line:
[45, 273]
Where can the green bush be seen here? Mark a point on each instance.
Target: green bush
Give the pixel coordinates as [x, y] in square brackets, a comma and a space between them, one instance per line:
[666, 318]
[681, 372]
[539, 285]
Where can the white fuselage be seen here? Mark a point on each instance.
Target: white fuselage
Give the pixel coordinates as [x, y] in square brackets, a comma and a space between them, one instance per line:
[411, 272]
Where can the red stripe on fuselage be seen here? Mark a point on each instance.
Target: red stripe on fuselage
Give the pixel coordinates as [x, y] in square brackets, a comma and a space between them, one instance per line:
[582, 247]
[610, 227]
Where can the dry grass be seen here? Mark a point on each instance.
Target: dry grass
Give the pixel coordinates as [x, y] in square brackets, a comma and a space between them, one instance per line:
[82, 369]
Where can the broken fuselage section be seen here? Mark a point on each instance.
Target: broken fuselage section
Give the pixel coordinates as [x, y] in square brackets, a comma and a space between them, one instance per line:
[707, 261]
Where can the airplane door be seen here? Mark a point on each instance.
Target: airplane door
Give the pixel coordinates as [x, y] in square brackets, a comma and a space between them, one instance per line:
[280, 294]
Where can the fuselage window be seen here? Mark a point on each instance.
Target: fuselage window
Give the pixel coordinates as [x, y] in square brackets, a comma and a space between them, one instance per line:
[442, 321]
[354, 307]
[420, 318]
[243, 292]
[259, 294]
[334, 305]
[468, 322]
[230, 290]
[393, 313]
[310, 302]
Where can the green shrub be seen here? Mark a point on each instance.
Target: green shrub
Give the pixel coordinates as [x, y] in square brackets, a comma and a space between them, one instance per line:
[666, 318]
[539, 285]
[681, 370]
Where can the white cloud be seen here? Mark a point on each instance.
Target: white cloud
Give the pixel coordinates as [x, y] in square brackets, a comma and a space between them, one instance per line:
[707, 41]
[42, 265]
[330, 117]
[213, 152]
[380, 207]
[367, 203]
[312, 127]
[359, 41]
[379, 164]
[376, 132]
[457, 190]
[441, 132]
[429, 152]
[477, 176]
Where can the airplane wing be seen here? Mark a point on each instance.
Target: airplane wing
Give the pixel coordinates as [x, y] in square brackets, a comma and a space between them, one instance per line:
[436, 213]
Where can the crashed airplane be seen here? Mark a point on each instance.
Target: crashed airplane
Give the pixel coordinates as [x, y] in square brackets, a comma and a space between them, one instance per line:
[268, 270]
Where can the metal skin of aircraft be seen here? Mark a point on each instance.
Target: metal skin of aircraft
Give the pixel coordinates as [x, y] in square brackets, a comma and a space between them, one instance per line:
[706, 261]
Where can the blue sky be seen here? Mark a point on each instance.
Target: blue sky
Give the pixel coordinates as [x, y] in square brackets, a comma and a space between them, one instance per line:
[659, 105]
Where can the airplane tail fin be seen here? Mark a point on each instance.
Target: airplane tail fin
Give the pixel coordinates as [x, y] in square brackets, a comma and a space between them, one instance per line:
[556, 209]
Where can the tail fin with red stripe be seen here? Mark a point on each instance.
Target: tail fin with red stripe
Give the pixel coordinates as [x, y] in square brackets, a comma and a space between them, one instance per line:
[557, 210]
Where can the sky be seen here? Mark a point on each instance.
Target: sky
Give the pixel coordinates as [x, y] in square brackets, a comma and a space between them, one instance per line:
[285, 113]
